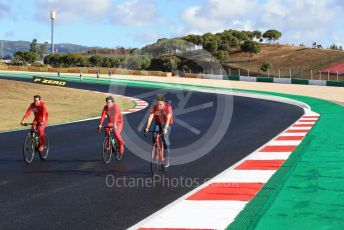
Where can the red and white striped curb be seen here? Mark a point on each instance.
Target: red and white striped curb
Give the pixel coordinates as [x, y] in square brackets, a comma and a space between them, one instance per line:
[139, 104]
[216, 203]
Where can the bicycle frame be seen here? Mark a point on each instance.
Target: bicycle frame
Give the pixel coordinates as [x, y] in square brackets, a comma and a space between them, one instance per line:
[110, 131]
[158, 145]
[34, 131]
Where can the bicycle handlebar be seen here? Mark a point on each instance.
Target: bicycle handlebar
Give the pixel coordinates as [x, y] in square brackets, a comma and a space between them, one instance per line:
[106, 127]
[27, 124]
[151, 131]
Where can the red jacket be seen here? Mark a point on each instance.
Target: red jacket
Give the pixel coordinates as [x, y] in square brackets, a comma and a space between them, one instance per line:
[39, 111]
[160, 116]
[113, 114]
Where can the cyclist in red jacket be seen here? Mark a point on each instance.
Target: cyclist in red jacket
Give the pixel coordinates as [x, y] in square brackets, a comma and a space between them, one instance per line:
[115, 119]
[40, 112]
[162, 114]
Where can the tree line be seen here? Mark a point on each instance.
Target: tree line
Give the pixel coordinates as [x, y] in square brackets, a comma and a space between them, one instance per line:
[29, 57]
[218, 45]
[163, 54]
[136, 61]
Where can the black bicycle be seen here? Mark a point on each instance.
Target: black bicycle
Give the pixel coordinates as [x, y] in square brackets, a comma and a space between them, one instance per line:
[110, 146]
[32, 143]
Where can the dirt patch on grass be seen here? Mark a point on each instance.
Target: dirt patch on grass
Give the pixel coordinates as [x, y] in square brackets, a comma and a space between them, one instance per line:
[64, 104]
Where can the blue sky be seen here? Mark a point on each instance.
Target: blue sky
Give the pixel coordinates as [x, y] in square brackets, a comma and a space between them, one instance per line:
[135, 23]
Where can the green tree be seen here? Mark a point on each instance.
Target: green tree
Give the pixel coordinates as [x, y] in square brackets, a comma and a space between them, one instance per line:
[272, 35]
[33, 46]
[166, 46]
[65, 60]
[266, 66]
[43, 48]
[30, 57]
[257, 34]
[25, 57]
[211, 45]
[170, 63]
[79, 59]
[106, 62]
[53, 60]
[195, 39]
[230, 38]
[137, 62]
[18, 58]
[96, 60]
[240, 35]
[222, 56]
[47, 60]
[225, 46]
[250, 47]
[186, 68]
[115, 62]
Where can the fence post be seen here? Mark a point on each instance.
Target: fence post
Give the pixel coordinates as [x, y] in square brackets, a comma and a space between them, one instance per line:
[320, 74]
[279, 73]
[311, 74]
[248, 72]
[239, 72]
[212, 71]
[268, 73]
[290, 73]
[229, 71]
[337, 75]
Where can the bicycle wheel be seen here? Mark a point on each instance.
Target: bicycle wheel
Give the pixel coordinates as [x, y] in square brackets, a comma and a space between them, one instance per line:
[43, 155]
[28, 149]
[118, 155]
[155, 159]
[107, 150]
[162, 156]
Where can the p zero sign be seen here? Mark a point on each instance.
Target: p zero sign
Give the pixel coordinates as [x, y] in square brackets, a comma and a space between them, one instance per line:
[48, 81]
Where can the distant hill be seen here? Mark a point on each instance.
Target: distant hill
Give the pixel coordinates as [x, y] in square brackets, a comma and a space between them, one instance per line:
[10, 47]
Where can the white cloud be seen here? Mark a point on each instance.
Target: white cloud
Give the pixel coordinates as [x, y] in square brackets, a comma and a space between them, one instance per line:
[229, 9]
[217, 15]
[135, 13]
[198, 23]
[71, 10]
[144, 38]
[5, 8]
[127, 12]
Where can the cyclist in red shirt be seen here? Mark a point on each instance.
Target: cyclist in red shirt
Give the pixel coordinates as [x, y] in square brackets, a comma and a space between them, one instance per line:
[115, 119]
[40, 112]
[162, 114]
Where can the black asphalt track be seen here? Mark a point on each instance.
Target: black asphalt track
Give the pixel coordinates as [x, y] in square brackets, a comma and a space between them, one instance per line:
[74, 189]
